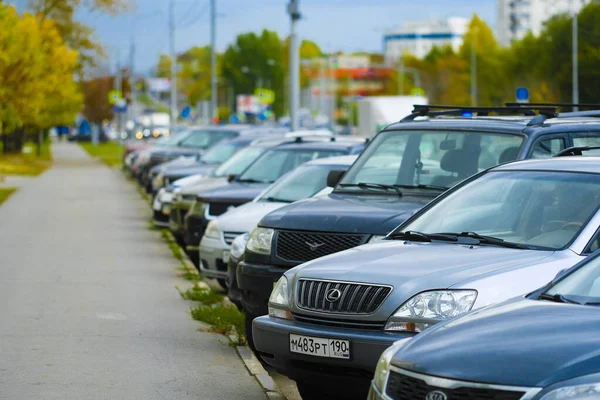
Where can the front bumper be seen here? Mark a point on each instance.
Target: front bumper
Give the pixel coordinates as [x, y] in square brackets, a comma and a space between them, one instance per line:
[213, 262]
[193, 230]
[375, 394]
[272, 339]
[256, 283]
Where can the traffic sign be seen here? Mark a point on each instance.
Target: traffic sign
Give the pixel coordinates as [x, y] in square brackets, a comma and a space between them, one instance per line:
[114, 96]
[522, 95]
[265, 96]
[185, 113]
[120, 106]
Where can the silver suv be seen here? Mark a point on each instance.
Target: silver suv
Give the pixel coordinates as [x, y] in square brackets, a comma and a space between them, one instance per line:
[502, 233]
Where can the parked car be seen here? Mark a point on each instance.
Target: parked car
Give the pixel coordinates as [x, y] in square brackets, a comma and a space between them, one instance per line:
[267, 168]
[305, 181]
[499, 234]
[543, 346]
[407, 165]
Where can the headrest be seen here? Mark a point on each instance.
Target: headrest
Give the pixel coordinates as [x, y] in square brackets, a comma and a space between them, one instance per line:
[509, 154]
[458, 161]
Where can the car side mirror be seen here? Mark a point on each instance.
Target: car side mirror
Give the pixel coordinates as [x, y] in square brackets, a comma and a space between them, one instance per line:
[334, 177]
[231, 178]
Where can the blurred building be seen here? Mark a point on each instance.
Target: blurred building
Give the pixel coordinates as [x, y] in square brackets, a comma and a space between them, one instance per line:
[419, 37]
[517, 17]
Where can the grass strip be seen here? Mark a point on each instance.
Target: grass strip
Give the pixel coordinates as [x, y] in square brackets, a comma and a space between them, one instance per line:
[5, 194]
[222, 318]
[110, 153]
[28, 162]
[203, 295]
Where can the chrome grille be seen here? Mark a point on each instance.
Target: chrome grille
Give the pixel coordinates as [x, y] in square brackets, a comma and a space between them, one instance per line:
[354, 298]
[306, 246]
[230, 236]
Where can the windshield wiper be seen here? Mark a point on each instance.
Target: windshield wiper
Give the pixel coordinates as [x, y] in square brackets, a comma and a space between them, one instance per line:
[365, 185]
[423, 237]
[250, 180]
[489, 240]
[276, 200]
[430, 187]
[558, 298]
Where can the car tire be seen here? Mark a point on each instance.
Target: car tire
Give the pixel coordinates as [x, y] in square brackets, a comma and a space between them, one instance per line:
[223, 283]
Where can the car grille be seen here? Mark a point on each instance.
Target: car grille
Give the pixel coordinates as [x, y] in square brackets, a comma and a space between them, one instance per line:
[353, 298]
[306, 246]
[216, 209]
[364, 325]
[230, 236]
[403, 387]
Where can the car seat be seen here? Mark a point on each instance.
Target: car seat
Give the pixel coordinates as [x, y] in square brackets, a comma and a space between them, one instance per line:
[509, 154]
[460, 163]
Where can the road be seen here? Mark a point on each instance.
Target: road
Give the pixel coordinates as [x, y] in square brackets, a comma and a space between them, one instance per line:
[88, 306]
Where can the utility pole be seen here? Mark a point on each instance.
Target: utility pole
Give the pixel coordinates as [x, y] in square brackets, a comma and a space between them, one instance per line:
[213, 61]
[174, 112]
[401, 76]
[575, 61]
[132, 80]
[294, 12]
[473, 71]
[119, 87]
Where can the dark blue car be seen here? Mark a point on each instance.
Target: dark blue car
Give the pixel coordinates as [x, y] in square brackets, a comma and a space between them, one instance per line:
[544, 346]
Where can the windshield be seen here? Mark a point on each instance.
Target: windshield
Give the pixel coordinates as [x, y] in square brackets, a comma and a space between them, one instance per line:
[538, 209]
[219, 153]
[437, 158]
[171, 140]
[239, 161]
[582, 285]
[205, 138]
[303, 182]
[274, 163]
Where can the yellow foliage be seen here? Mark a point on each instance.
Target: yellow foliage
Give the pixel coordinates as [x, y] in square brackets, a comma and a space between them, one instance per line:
[37, 86]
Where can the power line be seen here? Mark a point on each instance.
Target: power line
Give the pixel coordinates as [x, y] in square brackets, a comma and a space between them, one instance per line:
[194, 20]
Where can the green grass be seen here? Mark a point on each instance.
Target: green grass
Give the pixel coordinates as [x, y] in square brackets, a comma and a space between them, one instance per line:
[222, 318]
[5, 194]
[202, 295]
[110, 153]
[27, 163]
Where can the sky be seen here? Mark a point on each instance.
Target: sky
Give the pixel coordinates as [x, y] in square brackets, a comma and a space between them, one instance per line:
[345, 25]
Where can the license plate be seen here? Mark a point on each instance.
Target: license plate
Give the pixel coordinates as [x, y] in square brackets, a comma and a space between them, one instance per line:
[320, 347]
[226, 256]
[166, 210]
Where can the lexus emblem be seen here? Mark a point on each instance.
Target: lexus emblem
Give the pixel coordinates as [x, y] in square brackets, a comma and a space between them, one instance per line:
[334, 295]
[436, 395]
[314, 246]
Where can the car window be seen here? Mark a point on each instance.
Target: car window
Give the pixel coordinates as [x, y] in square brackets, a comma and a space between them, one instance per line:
[276, 162]
[582, 285]
[219, 153]
[594, 141]
[203, 139]
[440, 158]
[303, 182]
[548, 148]
[237, 163]
[539, 209]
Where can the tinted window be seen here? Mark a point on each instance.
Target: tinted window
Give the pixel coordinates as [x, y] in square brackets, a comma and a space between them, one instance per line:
[274, 163]
[548, 148]
[239, 161]
[440, 158]
[539, 209]
[219, 153]
[303, 182]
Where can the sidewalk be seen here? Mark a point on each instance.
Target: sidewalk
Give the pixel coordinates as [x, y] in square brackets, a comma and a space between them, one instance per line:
[88, 305]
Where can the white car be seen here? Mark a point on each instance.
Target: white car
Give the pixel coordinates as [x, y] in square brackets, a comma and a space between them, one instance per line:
[309, 179]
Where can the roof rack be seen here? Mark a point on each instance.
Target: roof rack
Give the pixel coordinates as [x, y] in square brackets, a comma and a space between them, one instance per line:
[557, 105]
[427, 110]
[575, 151]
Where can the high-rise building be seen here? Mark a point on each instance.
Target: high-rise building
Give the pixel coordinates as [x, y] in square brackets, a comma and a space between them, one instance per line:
[419, 37]
[517, 17]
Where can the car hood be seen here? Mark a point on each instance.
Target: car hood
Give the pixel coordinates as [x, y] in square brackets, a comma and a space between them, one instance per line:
[178, 162]
[172, 152]
[348, 213]
[234, 192]
[521, 342]
[197, 183]
[186, 170]
[245, 217]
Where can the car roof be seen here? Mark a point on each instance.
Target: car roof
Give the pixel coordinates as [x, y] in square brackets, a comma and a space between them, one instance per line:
[341, 160]
[562, 164]
[320, 145]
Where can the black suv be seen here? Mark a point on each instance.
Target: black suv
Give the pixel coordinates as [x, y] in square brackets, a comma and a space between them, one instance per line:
[405, 166]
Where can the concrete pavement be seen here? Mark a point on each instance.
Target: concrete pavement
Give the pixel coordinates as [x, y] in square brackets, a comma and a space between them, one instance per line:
[88, 306]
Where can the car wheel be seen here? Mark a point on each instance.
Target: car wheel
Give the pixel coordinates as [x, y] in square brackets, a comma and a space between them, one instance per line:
[223, 283]
[309, 391]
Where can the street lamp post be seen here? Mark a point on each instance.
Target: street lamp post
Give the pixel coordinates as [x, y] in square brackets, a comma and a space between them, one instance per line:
[294, 12]
[575, 61]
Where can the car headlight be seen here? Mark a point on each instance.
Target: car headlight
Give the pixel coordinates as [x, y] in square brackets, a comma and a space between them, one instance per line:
[428, 308]
[260, 241]
[589, 391]
[376, 239]
[213, 230]
[239, 245]
[383, 365]
[279, 300]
